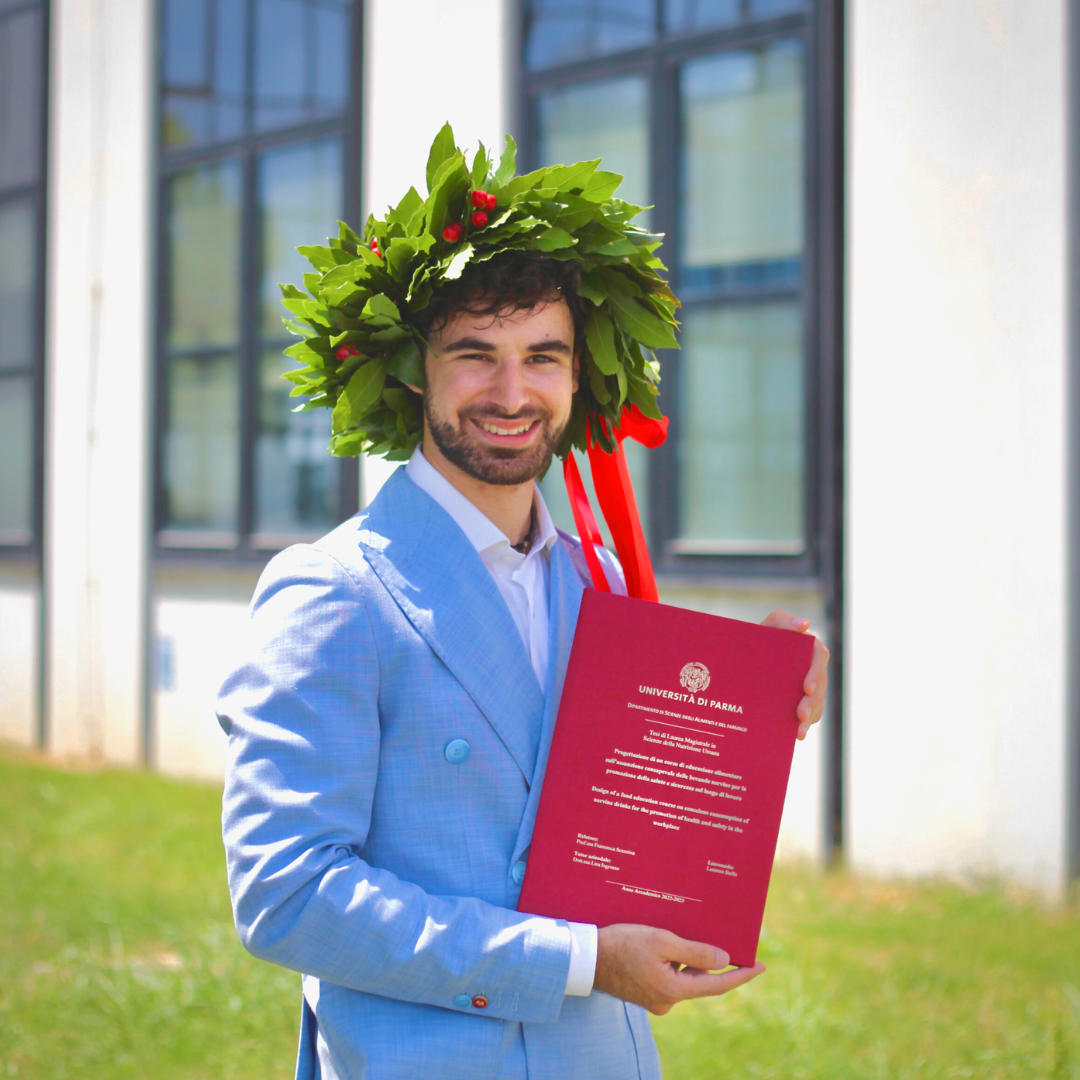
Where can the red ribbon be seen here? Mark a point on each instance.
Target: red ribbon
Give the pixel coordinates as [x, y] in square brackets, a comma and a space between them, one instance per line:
[615, 493]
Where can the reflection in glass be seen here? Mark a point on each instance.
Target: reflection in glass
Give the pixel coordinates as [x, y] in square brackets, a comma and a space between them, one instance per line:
[204, 256]
[301, 60]
[17, 266]
[17, 456]
[742, 205]
[203, 71]
[300, 198]
[202, 444]
[20, 98]
[561, 31]
[607, 119]
[681, 16]
[296, 479]
[767, 9]
[553, 488]
[741, 430]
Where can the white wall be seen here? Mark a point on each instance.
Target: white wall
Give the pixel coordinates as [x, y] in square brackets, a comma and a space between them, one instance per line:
[427, 62]
[200, 626]
[19, 607]
[97, 370]
[956, 437]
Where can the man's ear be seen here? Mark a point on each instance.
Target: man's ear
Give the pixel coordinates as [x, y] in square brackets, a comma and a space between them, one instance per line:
[577, 368]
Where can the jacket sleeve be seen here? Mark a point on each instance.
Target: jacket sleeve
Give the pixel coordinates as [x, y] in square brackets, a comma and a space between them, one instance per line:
[302, 718]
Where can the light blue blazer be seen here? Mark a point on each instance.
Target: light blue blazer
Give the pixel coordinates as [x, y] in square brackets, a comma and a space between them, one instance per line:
[365, 851]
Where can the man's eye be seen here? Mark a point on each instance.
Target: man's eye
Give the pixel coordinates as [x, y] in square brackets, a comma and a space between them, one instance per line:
[542, 359]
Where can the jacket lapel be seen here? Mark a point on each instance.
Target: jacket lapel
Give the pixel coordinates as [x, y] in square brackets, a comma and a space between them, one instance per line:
[565, 602]
[436, 577]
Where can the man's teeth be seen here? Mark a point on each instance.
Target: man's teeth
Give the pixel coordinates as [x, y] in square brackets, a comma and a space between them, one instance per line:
[505, 431]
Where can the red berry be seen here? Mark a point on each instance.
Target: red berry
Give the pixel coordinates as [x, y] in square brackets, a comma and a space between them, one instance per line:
[491, 203]
[479, 219]
[375, 247]
[479, 199]
[452, 233]
[343, 352]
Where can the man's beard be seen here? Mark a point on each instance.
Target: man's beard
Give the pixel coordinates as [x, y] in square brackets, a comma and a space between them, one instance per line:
[505, 466]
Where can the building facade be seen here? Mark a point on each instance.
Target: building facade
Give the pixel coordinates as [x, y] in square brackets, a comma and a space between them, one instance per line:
[867, 212]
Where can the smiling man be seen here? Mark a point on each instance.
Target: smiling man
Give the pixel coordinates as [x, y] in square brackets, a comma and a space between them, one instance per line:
[386, 729]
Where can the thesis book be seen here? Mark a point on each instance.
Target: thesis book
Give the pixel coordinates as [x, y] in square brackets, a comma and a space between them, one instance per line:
[667, 773]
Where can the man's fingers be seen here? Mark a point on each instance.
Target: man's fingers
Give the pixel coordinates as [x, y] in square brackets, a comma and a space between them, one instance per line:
[709, 985]
[817, 676]
[696, 954]
[784, 620]
[812, 706]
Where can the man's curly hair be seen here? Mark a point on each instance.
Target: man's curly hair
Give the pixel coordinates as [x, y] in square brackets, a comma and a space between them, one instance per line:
[509, 282]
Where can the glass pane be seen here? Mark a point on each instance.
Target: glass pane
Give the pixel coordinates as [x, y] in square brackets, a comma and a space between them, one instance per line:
[20, 99]
[683, 15]
[742, 206]
[740, 430]
[204, 256]
[767, 9]
[558, 502]
[561, 31]
[296, 479]
[301, 50]
[609, 120]
[202, 444]
[300, 198]
[17, 271]
[203, 52]
[17, 454]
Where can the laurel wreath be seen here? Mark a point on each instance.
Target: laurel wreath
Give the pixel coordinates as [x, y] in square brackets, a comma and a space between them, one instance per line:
[360, 349]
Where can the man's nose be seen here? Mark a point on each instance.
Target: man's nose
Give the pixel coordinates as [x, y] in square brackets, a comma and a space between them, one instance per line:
[509, 391]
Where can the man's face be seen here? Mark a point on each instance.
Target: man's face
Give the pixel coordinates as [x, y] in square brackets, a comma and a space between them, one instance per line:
[499, 391]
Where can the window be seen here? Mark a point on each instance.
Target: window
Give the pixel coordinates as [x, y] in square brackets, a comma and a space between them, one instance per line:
[259, 154]
[22, 243]
[715, 112]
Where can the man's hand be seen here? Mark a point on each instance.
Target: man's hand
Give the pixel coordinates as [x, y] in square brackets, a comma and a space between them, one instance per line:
[817, 678]
[644, 965]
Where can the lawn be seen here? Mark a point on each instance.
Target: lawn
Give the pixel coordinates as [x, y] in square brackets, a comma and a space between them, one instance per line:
[118, 959]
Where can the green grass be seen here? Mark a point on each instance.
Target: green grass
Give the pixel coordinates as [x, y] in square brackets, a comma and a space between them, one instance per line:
[118, 959]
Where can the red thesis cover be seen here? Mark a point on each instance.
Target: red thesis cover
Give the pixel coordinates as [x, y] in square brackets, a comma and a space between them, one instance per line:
[668, 768]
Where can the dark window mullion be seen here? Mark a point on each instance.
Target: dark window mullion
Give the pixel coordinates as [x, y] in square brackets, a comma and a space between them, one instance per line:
[349, 493]
[812, 485]
[664, 143]
[674, 49]
[250, 262]
[182, 160]
[250, 266]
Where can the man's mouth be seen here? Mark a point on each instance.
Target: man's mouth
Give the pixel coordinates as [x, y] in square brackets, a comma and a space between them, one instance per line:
[496, 430]
[512, 433]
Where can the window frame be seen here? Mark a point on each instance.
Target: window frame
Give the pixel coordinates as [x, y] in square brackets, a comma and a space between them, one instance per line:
[660, 63]
[37, 194]
[248, 547]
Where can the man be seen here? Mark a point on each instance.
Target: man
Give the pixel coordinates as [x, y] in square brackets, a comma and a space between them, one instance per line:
[387, 727]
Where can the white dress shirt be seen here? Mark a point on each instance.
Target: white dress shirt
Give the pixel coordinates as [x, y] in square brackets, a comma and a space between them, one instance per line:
[523, 582]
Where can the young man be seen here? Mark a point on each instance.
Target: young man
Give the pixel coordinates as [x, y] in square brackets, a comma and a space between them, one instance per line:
[393, 715]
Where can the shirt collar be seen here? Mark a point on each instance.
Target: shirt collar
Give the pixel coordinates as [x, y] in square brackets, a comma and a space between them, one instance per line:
[480, 530]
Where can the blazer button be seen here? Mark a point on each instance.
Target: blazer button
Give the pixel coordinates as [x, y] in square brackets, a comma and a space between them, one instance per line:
[517, 871]
[480, 1002]
[457, 750]
[463, 1001]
